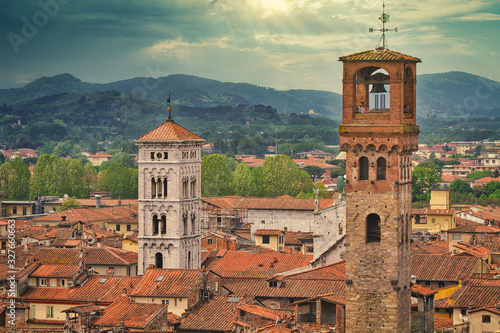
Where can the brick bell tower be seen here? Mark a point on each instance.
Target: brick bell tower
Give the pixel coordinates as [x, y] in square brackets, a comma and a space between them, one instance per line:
[169, 197]
[378, 134]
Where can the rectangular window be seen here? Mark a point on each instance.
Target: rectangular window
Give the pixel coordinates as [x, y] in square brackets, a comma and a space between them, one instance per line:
[53, 282]
[33, 310]
[265, 240]
[281, 239]
[309, 249]
[486, 319]
[164, 301]
[24, 211]
[63, 283]
[273, 284]
[43, 282]
[14, 210]
[32, 282]
[117, 227]
[129, 227]
[49, 311]
[209, 241]
[456, 237]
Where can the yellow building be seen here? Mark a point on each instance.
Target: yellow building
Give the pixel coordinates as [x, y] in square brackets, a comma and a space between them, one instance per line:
[270, 239]
[438, 217]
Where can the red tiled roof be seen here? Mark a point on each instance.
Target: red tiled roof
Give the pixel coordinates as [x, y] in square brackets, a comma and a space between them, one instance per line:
[334, 271]
[436, 247]
[279, 203]
[98, 288]
[218, 314]
[430, 267]
[293, 288]
[268, 232]
[57, 271]
[77, 214]
[379, 54]
[109, 256]
[175, 283]
[481, 228]
[132, 314]
[428, 211]
[259, 265]
[422, 291]
[442, 322]
[261, 311]
[297, 237]
[475, 296]
[169, 131]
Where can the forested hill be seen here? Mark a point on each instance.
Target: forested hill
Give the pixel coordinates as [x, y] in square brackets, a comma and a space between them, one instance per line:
[185, 90]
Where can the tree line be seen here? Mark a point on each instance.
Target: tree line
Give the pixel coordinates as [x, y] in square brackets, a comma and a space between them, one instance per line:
[54, 176]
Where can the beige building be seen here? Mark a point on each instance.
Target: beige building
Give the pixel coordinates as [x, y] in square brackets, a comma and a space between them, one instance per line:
[270, 239]
[438, 217]
[485, 319]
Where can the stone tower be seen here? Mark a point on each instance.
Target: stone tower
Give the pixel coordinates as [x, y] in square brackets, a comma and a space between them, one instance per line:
[169, 197]
[378, 134]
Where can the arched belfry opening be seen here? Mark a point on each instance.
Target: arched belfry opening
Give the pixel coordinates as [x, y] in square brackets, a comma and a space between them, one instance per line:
[363, 168]
[381, 168]
[372, 88]
[409, 92]
[158, 260]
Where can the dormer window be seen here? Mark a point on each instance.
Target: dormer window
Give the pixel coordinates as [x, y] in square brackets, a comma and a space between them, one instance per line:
[273, 284]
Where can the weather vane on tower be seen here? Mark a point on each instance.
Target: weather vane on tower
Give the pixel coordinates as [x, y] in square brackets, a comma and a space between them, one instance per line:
[169, 108]
[385, 19]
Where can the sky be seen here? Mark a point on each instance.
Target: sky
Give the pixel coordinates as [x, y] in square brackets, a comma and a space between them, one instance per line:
[283, 44]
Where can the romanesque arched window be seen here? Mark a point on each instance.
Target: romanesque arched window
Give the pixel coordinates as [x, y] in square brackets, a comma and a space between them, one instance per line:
[153, 188]
[372, 228]
[163, 224]
[189, 260]
[381, 168]
[155, 225]
[193, 223]
[158, 260]
[363, 168]
[165, 187]
[185, 222]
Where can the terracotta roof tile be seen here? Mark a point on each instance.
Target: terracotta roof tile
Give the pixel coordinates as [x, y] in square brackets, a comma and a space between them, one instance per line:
[279, 203]
[424, 247]
[260, 265]
[133, 315]
[261, 311]
[481, 228]
[422, 291]
[169, 131]
[430, 267]
[268, 232]
[75, 215]
[218, 314]
[109, 256]
[442, 322]
[98, 288]
[380, 54]
[476, 297]
[168, 283]
[428, 211]
[59, 271]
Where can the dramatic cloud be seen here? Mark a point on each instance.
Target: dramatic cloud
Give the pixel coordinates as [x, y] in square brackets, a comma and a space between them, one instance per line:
[279, 43]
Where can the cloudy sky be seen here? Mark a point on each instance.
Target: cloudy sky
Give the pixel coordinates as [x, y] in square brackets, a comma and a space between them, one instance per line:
[284, 44]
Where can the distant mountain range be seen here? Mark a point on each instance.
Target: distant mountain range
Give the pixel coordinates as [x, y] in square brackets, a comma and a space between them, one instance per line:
[449, 94]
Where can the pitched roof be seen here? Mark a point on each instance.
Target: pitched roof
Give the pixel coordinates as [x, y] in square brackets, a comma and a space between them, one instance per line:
[169, 131]
[218, 314]
[379, 54]
[158, 282]
[258, 265]
[442, 322]
[98, 288]
[428, 211]
[279, 203]
[422, 291]
[57, 271]
[475, 296]
[424, 247]
[481, 228]
[109, 256]
[268, 232]
[292, 288]
[430, 267]
[131, 314]
[261, 311]
[75, 215]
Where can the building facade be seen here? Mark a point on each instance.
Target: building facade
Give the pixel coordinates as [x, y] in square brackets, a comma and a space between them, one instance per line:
[169, 197]
[378, 134]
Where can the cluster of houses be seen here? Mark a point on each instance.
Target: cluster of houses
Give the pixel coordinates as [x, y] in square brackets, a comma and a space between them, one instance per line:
[268, 265]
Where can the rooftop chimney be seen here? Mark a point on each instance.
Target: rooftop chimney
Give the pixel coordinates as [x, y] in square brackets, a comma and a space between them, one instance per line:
[97, 201]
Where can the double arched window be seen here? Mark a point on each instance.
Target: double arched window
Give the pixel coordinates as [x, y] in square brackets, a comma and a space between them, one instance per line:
[364, 165]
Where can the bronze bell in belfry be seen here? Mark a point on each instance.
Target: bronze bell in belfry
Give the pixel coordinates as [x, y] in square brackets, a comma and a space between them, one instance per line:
[378, 88]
